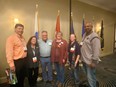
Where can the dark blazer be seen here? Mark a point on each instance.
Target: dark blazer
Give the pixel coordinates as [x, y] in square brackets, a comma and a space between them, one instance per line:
[76, 51]
[30, 55]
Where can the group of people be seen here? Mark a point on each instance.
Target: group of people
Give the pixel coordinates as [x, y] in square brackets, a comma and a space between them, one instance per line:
[23, 57]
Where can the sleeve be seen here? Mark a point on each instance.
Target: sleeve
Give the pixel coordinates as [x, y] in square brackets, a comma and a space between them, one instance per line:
[66, 50]
[68, 47]
[77, 51]
[96, 49]
[52, 51]
[38, 56]
[38, 50]
[9, 52]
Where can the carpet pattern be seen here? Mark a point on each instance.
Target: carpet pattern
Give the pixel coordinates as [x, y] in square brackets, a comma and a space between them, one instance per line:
[106, 75]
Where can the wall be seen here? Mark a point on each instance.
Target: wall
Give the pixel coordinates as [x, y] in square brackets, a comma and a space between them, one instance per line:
[24, 10]
[98, 14]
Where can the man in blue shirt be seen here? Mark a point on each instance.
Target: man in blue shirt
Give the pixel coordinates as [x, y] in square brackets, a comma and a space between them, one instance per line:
[45, 54]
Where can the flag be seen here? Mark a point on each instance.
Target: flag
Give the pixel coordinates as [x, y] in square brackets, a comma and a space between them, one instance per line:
[93, 25]
[58, 22]
[36, 33]
[71, 25]
[102, 35]
[83, 30]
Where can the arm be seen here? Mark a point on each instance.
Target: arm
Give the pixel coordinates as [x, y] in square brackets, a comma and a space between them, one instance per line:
[52, 51]
[66, 52]
[77, 53]
[96, 51]
[77, 59]
[9, 53]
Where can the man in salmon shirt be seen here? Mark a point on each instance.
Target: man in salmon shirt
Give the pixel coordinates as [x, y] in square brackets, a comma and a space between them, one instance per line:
[16, 53]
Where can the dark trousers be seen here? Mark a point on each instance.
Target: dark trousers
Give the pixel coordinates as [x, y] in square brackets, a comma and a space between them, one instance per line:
[20, 69]
[32, 76]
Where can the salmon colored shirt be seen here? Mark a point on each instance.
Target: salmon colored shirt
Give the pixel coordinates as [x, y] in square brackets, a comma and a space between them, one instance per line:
[15, 49]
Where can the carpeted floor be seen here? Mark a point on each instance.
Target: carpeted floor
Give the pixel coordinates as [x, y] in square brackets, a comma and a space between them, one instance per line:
[106, 75]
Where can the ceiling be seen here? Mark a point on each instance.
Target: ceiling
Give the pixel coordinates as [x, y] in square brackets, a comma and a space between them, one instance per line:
[104, 4]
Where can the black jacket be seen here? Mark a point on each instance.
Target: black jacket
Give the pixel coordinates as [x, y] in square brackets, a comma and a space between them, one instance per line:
[77, 50]
[30, 55]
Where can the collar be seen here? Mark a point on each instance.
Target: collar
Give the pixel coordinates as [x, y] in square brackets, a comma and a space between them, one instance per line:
[59, 40]
[18, 35]
[45, 41]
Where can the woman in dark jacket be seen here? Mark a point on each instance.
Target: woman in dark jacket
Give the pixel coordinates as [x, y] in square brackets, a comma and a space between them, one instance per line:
[74, 55]
[33, 55]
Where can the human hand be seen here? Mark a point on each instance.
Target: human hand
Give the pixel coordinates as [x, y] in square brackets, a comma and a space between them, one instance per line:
[63, 60]
[92, 65]
[75, 64]
[12, 68]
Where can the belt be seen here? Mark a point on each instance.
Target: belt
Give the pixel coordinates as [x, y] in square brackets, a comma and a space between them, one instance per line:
[45, 57]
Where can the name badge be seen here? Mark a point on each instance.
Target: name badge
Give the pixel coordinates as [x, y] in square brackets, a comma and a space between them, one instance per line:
[62, 43]
[50, 43]
[81, 43]
[34, 59]
[72, 49]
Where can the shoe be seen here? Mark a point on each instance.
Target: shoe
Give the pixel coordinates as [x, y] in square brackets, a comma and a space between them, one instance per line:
[55, 73]
[39, 79]
[60, 85]
[50, 82]
[44, 83]
[77, 82]
[57, 83]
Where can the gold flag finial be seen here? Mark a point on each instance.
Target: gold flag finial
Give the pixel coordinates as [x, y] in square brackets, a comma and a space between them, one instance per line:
[58, 12]
[36, 6]
[84, 16]
[71, 13]
[93, 18]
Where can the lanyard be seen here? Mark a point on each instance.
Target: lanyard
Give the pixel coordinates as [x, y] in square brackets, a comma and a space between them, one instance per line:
[33, 51]
[22, 40]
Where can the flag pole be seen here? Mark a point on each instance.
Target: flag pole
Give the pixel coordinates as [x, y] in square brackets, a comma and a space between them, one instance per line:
[70, 11]
[83, 16]
[71, 14]
[36, 22]
[93, 24]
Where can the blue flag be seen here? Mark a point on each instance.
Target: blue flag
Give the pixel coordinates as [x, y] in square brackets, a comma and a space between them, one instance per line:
[36, 23]
[71, 26]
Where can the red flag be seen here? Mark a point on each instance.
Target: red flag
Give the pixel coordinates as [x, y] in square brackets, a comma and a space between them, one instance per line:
[58, 22]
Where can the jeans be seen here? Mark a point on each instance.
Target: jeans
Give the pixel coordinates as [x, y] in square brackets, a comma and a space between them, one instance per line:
[46, 63]
[91, 75]
[75, 72]
[60, 72]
